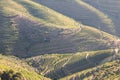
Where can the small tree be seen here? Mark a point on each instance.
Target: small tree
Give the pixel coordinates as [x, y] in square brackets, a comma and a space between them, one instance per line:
[10, 75]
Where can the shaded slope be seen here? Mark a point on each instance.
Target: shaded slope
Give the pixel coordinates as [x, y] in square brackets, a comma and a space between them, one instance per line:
[35, 39]
[12, 63]
[8, 33]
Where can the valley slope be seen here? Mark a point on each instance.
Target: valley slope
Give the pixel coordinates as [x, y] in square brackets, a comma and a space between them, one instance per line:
[61, 39]
[36, 29]
[13, 65]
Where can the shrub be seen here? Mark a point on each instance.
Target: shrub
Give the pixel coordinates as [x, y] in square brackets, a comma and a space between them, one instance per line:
[11, 75]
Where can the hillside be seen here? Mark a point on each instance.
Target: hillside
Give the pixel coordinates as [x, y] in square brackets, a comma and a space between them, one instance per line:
[83, 12]
[57, 66]
[112, 9]
[107, 71]
[59, 40]
[37, 12]
[17, 66]
[12, 29]
[33, 31]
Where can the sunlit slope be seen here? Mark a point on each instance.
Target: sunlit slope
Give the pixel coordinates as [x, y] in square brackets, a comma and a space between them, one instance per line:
[12, 63]
[61, 65]
[38, 12]
[83, 12]
[107, 71]
[110, 27]
[112, 9]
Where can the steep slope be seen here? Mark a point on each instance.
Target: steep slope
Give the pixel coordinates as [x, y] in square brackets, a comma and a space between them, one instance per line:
[56, 66]
[14, 64]
[37, 12]
[31, 28]
[39, 30]
[81, 11]
[107, 71]
[110, 27]
[36, 40]
[8, 33]
[112, 9]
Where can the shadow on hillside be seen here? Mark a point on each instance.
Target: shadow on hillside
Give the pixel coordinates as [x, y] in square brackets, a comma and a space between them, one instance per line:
[35, 39]
[77, 66]
[8, 33]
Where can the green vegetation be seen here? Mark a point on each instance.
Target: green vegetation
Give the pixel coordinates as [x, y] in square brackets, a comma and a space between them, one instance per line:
[10, 75]
[104, 17]
[77, 41]
[61, 65]
[111, 10]
[37, 12]
[15, 68]
[93, 13]
[107, 71]
[8, 33]
[32, 35]
[48, 15]
[28, 29]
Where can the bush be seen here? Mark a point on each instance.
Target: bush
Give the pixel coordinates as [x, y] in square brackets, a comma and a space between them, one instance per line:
[11, 75]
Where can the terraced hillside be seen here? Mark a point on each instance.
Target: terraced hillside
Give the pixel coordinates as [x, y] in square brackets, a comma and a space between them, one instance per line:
[57, 66]
[12, 64]
[107, 71]
[75, 41]
[39, 29]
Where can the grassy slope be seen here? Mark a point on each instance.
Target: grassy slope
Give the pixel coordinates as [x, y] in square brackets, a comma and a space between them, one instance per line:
[61, 65]
[112, 9]
[104, 17]
[79, 12]
[60, 43]
[31, 21]
[83, 12]
[37, 12]
[12, 63]
[107, 71]
[8, 33]
[87, 35]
